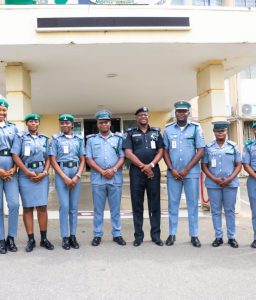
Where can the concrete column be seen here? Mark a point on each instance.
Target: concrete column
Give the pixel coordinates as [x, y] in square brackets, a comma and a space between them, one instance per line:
[18, 94]
[211, 102]
[228, 3]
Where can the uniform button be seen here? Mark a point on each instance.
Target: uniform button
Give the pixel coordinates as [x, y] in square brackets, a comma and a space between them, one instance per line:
[180, 158]
[180, 141]
[219, 155]
[180, 149]
[219, 163]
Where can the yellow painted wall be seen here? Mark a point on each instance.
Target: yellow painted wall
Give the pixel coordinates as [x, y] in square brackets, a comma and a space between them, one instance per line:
[49, 125]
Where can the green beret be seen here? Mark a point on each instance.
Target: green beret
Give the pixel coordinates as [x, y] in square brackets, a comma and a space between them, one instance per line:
[254, 124]
[32, 117]
[182, 105]
[66, 117]
[3, 102]
[103, 115]
[220, 125]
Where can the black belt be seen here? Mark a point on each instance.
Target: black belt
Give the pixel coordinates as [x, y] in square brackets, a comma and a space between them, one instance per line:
[35, 164]
[68, 164]
[5, 152]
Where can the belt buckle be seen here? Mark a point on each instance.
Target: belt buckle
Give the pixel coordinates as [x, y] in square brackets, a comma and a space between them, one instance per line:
[34, 165]
[70, 164]
[5, 152]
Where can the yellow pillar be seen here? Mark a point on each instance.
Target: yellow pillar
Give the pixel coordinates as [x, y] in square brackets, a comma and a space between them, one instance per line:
[18, 94]
[211, 102]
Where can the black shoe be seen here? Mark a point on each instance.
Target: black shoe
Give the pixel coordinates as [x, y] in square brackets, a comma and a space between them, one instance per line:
[3, 248]
[73, 242]
[217, 242]
[46, 244]
[253, 244]
[158, 242]
[195, 242]
[10, 245]
[30, 245]
[119, 240]
[96, 241]
[233, 243]
[170, 240]
[65, 243]
[137, 243]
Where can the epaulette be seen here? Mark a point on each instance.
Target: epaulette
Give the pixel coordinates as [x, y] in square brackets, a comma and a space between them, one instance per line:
[195, 123]
[231, 143]
[248, 143]
[155, 128]
[130, 129]
[210, 144]
[79, 136]
[10, 123]
[168, 124]
[41, 134]
[119, 134]
[21, 133]
[90, 135]
[55, 136]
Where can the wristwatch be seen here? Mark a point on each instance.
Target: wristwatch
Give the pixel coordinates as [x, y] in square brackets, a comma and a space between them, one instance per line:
[170, 168]
[79, 176]
[152, 165]
[45, 172]
[115, 169]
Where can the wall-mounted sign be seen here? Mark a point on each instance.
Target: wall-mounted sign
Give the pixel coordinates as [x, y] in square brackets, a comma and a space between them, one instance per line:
[112, 23]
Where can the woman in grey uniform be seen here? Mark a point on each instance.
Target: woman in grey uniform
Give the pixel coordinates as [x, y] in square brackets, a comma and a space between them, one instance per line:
[30, 153]
[8, 181]
[221, 164]
[67, 159]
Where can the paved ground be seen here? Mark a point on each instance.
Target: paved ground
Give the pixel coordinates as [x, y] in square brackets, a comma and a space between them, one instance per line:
[147, 272]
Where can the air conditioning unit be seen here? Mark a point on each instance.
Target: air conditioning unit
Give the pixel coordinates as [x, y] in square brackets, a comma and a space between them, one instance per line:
[248, 109]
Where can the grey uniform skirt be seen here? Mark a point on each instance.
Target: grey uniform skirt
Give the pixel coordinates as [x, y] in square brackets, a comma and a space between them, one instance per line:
[33, 194]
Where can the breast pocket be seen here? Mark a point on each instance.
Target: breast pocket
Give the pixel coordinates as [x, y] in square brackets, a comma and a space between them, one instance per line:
[96, 149]
[189, 141]
[137, 140]
[230, 156]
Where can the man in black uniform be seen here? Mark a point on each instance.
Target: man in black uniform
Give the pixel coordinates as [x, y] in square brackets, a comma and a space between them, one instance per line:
[144, 148]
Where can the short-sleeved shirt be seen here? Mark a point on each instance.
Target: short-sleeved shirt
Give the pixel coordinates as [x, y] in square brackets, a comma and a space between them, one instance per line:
[144, 145]
[67, 148]
[182, 145]
[7, 134]
[249, 154]
[221, 162]
[30, 148]
[105, 151]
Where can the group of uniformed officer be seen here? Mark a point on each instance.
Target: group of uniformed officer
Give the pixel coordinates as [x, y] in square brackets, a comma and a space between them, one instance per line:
[182, 147]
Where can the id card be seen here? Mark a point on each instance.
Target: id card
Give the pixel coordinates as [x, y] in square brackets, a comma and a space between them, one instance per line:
[174, 144]
[65, 149]
[213, 163]
[153, 144]
[27, 150]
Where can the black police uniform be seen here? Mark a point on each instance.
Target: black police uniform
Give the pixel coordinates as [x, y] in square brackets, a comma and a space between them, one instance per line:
[145, 147]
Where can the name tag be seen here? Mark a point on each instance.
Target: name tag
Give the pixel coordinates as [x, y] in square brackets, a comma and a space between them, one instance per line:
[153, 144]
[174, 144]
[214, 163]
[65, 149]
[27, 150]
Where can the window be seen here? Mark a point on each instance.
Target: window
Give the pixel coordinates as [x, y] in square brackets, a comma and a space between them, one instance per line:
[245, 3]
[207, 2]
[248, 73]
